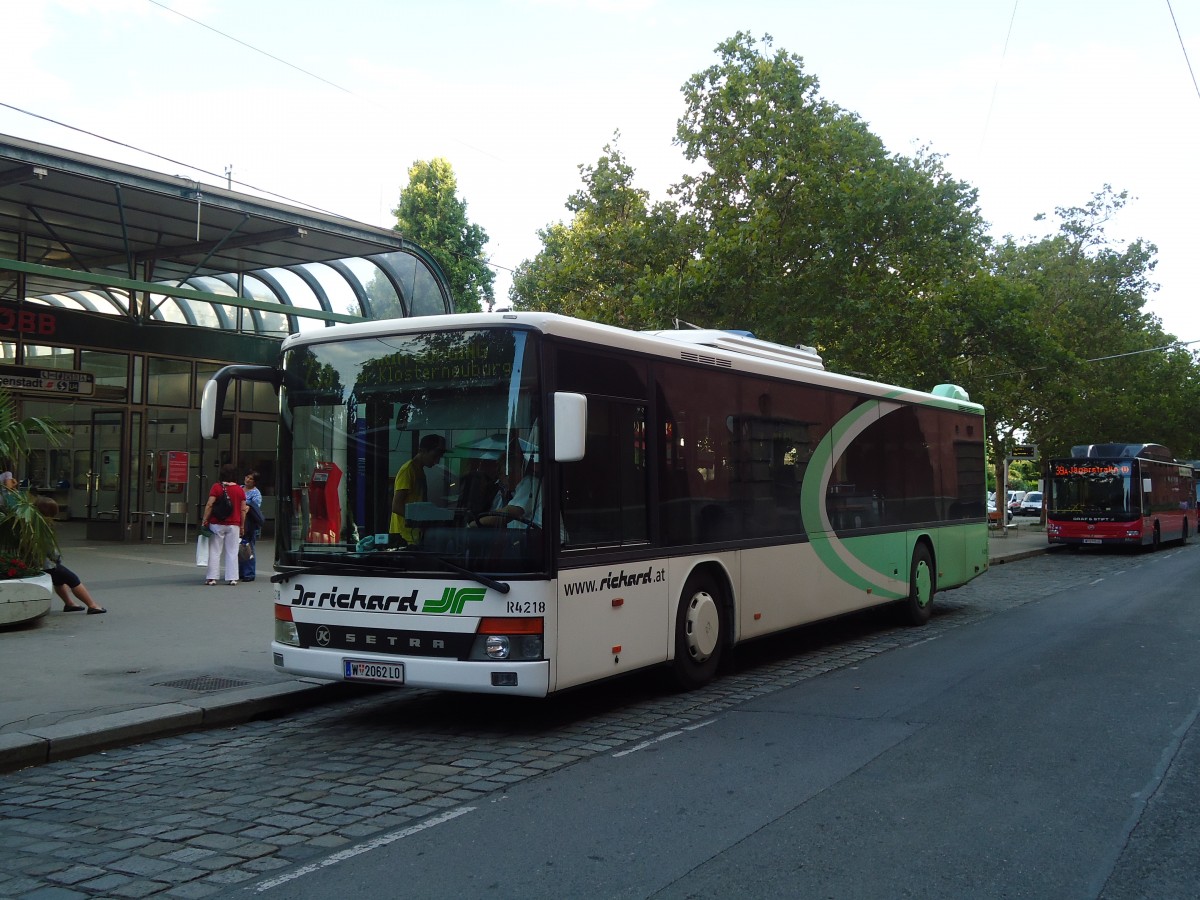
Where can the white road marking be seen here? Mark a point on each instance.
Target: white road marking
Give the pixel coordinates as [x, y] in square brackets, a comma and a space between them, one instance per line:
[662, 737]
[351, 852]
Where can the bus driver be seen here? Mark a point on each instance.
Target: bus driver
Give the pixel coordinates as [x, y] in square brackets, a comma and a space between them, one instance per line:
[519, 503]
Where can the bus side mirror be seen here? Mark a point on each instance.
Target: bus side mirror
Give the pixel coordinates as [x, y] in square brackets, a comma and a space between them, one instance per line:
[570, 426]
[212, 400]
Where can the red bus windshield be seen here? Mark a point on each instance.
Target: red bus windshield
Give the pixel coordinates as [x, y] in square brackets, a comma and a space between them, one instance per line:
[1094, 488]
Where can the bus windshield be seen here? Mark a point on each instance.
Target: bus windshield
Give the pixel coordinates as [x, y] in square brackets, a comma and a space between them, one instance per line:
[393, 448]
[1094, 489]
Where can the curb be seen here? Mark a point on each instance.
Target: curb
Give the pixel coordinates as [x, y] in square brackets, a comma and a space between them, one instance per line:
[1021, 554]
[20, 749]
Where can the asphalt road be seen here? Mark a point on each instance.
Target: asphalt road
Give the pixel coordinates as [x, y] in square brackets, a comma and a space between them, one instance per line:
[1037, 739]
[1049, 752]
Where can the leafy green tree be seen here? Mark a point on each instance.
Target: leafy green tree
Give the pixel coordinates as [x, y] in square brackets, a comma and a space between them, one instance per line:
[616, 258]
[809, 230]
[431, 214]
[987, 343]
[1090, 311]
[798, 226]
[1073, 356]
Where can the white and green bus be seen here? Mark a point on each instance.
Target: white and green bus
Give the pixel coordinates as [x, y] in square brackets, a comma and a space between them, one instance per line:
[676, 493]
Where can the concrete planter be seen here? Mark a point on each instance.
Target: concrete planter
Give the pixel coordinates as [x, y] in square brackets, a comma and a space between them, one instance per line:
[23, 599]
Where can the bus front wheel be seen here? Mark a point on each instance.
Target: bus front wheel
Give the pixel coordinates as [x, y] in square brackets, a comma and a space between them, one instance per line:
[698, 632]
[922, 585]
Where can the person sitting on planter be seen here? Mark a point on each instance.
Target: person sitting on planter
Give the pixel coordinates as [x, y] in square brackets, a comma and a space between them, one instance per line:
[64, 580]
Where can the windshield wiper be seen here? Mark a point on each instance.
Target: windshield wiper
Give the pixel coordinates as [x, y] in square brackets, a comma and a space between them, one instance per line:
[485, 580]
[399, 561]
[330, 569]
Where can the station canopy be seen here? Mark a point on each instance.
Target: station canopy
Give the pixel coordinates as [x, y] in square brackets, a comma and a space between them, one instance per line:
[82, 233]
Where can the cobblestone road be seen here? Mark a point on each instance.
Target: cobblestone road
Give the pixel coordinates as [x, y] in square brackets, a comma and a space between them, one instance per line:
[199, 815]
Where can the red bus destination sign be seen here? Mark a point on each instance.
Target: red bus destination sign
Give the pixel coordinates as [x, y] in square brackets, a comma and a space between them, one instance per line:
[47, 381]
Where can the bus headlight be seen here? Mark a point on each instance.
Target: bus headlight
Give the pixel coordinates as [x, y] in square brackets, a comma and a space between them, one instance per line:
[511, 639]
[285, 629]
[286, 633]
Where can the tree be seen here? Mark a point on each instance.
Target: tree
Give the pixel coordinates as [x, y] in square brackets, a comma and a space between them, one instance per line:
[615, 260]
[1073, 356]
[988, 343]
[430, 214]
[1089, 308]
[799, 227]
[810, 231]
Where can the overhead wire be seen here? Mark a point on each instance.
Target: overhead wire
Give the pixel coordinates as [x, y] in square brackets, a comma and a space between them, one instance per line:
[227, 176]
[987, 121]
[174, 162]
[996, 86]
[201, 169]
[1176, 345]
[311, 74]
[230, 37]
[1183, 47]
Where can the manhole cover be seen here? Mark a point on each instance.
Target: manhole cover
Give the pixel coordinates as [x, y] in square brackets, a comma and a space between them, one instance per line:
[204, 683]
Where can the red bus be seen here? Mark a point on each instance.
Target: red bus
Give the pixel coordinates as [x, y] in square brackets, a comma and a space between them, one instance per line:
[1120, 495]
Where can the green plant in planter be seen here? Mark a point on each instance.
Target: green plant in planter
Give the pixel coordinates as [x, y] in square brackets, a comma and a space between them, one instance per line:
[26, 538]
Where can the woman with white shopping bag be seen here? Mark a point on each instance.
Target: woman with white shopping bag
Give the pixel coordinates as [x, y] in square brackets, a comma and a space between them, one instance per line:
[225, 517]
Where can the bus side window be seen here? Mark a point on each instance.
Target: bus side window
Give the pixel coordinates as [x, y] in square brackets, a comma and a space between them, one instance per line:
[604, 494]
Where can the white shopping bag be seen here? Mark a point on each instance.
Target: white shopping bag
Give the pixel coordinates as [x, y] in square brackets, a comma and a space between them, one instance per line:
[202, 539]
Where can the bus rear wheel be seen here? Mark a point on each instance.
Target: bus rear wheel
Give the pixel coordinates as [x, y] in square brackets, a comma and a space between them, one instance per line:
[699, 637]
[922, 585]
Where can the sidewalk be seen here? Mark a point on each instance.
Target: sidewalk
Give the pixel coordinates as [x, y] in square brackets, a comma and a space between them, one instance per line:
[1020, 540]
[171, 655]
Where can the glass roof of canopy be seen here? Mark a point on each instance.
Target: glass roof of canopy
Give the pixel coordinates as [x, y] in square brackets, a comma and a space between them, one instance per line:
[82, 233]
[360, 287]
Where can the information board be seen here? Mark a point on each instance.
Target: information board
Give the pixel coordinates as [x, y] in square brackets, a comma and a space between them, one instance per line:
[47, 381]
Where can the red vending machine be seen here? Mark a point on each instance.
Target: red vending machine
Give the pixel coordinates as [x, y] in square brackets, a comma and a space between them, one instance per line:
[324, 507]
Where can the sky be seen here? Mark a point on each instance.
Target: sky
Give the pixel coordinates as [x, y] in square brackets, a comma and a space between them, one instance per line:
[1037, 104]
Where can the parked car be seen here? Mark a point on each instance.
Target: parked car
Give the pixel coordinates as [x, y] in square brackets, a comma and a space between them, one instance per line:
[1014, 500]
[1031, 505]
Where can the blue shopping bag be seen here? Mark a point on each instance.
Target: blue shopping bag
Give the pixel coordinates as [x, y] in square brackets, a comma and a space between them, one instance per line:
[246, 561]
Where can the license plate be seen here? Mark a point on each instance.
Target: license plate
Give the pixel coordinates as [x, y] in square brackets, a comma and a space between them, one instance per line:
[1092, 541]
[362, 670]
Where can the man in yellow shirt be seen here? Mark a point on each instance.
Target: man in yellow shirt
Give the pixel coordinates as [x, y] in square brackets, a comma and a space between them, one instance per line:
[410, 484]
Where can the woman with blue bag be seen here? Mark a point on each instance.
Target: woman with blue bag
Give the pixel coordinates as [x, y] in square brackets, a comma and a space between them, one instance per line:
[254, 523]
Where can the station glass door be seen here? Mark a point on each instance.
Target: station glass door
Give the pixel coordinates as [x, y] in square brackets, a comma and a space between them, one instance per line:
[105, 475]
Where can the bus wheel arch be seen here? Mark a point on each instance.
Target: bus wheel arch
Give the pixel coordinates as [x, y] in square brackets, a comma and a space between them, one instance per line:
[917, 607]
[702, 627]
